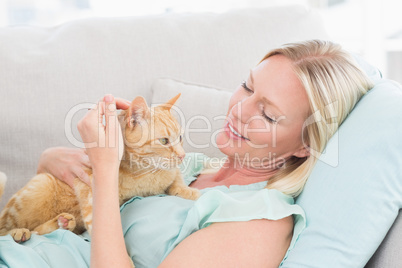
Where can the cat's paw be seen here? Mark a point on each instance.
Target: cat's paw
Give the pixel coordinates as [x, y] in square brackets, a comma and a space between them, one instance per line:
[20, 234]
[66, 221]
[188, 193]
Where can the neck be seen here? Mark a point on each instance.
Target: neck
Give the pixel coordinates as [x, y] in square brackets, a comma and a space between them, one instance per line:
[250, 168]
[235, 171]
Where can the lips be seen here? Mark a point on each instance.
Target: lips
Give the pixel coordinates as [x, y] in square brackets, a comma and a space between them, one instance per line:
[233, 133]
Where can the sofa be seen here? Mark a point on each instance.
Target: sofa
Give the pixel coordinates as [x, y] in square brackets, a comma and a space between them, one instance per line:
[50, 76]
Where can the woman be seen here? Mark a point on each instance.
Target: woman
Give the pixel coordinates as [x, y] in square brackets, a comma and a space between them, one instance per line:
[291, 104]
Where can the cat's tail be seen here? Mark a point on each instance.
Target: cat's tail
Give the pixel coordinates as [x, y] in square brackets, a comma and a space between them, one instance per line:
[3, 179]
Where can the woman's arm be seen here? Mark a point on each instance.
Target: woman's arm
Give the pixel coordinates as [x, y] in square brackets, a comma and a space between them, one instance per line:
[256, 243]
[107, 242]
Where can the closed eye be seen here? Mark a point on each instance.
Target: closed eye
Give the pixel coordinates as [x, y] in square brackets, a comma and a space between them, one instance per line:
[244, 85]
[269, 119]
[266, 117]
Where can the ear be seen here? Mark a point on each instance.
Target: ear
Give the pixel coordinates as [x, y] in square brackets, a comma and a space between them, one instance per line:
[168, 105]
[302, 152]
[137, 111]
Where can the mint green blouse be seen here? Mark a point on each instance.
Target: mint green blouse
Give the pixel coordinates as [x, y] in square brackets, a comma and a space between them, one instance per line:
[154, 225]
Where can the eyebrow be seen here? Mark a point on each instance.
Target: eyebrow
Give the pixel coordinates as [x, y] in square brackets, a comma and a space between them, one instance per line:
[263, 98]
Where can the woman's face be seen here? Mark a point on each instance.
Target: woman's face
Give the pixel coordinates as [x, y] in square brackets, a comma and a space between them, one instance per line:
[266, 115]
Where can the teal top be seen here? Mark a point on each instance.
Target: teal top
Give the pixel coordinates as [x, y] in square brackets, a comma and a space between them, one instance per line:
[154, 225]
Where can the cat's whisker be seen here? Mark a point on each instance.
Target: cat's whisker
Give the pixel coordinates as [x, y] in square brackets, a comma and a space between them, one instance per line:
[145, 171]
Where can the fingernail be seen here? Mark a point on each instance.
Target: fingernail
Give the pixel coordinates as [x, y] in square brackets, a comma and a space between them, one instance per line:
[108, 98]
[112, 107]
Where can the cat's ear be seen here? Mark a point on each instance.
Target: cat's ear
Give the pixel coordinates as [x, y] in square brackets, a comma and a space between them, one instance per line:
[168, 105]
[138, 110]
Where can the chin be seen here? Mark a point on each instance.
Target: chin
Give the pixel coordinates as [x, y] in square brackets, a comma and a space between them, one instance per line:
[225, 145]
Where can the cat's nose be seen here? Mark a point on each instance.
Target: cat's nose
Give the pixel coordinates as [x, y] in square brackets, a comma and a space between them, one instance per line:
[181, 157]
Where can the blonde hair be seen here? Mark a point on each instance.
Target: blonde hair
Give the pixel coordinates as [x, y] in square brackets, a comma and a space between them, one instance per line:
[334, 84]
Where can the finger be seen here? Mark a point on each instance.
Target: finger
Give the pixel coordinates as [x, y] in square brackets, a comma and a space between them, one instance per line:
[69, 179]
[90, 125]
[82, 175]
[97, 110]
[122, 104]
[110, 116]
[93, 112]
[101, 114]
[90, 118]
[85, 161]
[82, 157]
[110, 108]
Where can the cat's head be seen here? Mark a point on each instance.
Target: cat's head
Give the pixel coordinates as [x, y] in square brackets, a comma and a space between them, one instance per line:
[152, 136]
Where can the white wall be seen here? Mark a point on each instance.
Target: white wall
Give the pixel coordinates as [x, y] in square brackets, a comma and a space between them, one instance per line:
[362, 26]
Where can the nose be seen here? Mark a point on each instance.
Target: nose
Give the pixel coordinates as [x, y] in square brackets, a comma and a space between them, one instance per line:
[181, 157]
[242, 111]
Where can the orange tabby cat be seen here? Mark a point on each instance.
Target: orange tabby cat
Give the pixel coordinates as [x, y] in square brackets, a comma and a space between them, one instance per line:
[152, 151]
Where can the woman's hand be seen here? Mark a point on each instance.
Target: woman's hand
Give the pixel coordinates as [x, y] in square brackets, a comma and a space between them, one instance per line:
[102, 146]
[65, 164]
[102, 141]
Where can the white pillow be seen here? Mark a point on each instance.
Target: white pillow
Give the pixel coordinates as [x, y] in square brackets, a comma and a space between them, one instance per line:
[201, 111]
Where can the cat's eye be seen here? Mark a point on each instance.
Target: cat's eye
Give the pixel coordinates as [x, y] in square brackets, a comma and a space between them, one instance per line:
[181, 138]
[164, 141]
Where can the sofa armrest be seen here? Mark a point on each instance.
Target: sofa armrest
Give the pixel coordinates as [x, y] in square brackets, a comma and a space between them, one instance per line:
[388, 253]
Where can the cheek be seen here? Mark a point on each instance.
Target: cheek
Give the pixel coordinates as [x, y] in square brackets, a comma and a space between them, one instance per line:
[278, 138]
[290, 138]
[260, 131]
